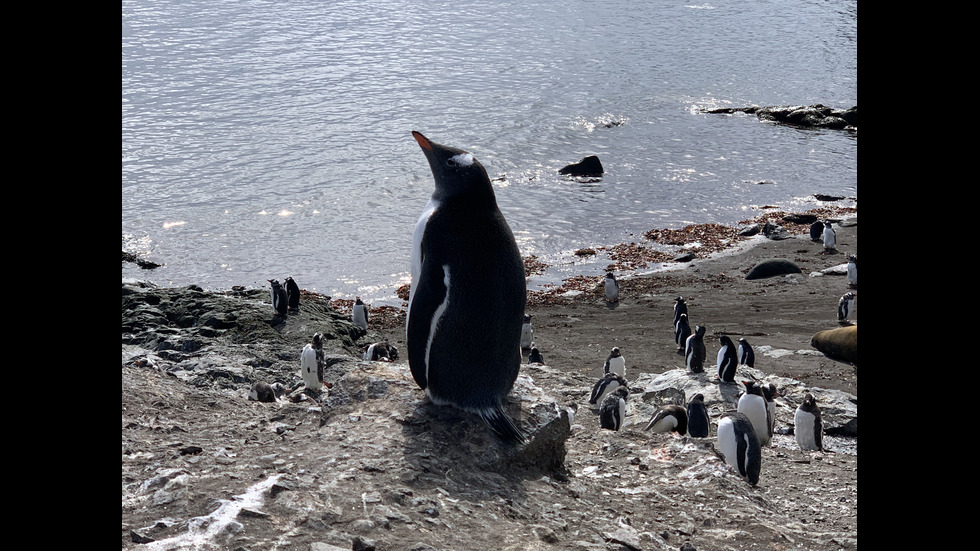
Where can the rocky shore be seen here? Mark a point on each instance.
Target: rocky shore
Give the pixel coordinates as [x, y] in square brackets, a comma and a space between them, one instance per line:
[369, 464]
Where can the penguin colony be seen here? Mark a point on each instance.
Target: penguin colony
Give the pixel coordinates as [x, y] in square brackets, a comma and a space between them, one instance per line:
[466, 312]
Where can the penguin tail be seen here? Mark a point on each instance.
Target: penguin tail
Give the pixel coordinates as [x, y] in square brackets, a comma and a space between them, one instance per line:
[501, 424]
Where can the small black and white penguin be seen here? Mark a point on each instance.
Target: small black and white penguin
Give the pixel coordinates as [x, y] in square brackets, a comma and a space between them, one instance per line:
[816, 231]
[753, 404]
[611, 288]
[670, 417]
[292, 296]
[727, 359]
[527, 332]
[468, 292]
[746, 356]
[262, 392]
[615, 363]
[845, 306]
[535, 356]
[359, 313]
[381, 352]
[698, 422]
[808, 427]
[612, 411]
[680, 307]
[829, 237]
[694, 350]
[608, 383]
[769, 392]
[280, 302]
[311, 363]
[682, 330]
[852, 271]
[739, 444]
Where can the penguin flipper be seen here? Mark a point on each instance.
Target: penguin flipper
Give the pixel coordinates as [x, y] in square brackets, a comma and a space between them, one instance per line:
[501, 424]
[424, 306]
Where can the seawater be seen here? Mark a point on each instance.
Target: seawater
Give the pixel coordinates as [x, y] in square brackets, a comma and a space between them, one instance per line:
[267, 139]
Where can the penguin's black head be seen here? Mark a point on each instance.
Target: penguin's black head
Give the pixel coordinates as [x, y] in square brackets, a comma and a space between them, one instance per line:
[455, 171]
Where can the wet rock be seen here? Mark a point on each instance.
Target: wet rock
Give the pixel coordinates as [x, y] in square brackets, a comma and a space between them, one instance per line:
[589, 166]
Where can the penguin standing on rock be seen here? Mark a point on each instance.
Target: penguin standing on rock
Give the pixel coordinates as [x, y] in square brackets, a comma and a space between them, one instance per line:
[615, 363]
[694, 350]
[611, 288]
[746, 356]
[753, 404]
[808, 427]
[682, 330]
[698, 422]
[292, 296]
[739, 445]
[829, 237]
[852, 271]
[727, 360]
[612, 411]
[466, 304]
[527, 332]
[311, 363]
[359, 314]
[845, 306]
[669, 418]
[608, 383]
[279, 300]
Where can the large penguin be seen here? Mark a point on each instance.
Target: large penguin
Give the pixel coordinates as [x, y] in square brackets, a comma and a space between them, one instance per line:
[612, 410]
[466, 305]
[608, 383]
[615, 363]
[682, 330]
[727, 359]
[753, 405]
[807, 424]
[698, 422]
[311, 363]
[292, 296]
[670, 417]
[695, 351]
[739, 444]
[359, 313]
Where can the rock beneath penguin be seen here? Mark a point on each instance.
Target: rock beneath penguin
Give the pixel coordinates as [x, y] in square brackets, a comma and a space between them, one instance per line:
[589, 166]
[773, 267]
[837, 344]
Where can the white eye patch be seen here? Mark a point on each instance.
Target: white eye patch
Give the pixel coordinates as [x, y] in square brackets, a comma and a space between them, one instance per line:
[463, 159]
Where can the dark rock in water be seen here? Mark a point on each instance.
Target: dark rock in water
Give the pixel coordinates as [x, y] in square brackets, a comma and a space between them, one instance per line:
[773, 267]
[837, 344]
[144, 264]
[806, 116]
[822, 197]
[589, 166]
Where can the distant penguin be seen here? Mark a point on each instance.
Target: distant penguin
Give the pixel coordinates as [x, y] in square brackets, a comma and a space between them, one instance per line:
[680, 307]
[359, 314]
[698, 422]
[727, 360]
[753, 404]
[612, 411]
[527, 332]
[739, 444]
[807, 425]
[279, 300]
[611, 288]
[852, 271]
[845, 306]
[292, 296]
[311, 363]
[669, 418]
[682, 330]
[262, 392]
[829, 236]
[615, 363]
[466, 303]
[816, 231]
[535, 356]
[746, 356]
[770, 393]
[608, 383]
[694, 350]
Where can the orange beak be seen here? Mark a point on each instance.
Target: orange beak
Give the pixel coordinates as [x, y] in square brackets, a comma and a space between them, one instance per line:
[423, 141]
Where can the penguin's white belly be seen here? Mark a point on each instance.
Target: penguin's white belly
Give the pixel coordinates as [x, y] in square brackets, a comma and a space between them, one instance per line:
[427, 213]
[359, 316]
[754, 407]
[612, 290]
[369, 353]
[665, 424]
[721, 355]
[852, 274]
[618, 366]
[805, 436]
[308, 368]
[527, 335]
[727, 444]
